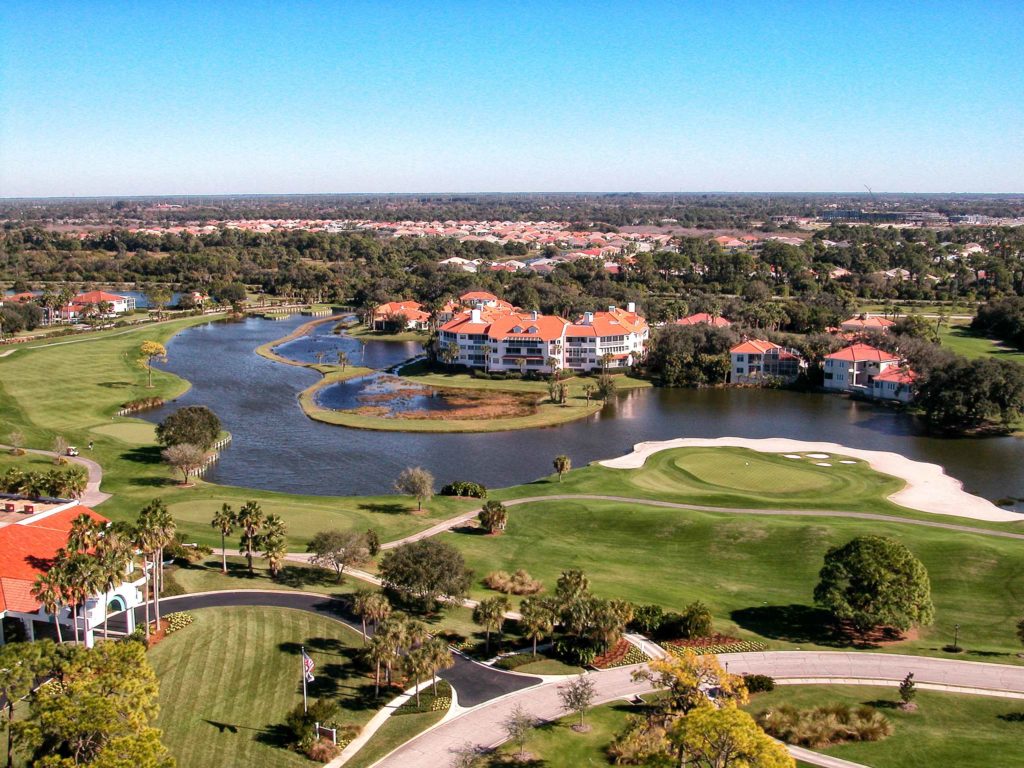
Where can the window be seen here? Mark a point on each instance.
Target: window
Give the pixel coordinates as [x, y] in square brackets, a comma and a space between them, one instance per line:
[828, 377]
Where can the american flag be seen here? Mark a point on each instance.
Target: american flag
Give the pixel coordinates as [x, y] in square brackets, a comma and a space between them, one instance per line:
[307, 667]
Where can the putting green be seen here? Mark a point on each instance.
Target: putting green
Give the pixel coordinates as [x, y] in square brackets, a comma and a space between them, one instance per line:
[133, 432]
[751, 471]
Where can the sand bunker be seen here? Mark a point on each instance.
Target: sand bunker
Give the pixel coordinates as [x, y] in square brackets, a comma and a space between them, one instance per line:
[928, 488]
[822, 464]
[792, 455]
[817, 456]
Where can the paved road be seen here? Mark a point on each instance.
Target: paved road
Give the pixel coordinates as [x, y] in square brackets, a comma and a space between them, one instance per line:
[474, 683]
[482, 726]
[467, 516]
[93, 495]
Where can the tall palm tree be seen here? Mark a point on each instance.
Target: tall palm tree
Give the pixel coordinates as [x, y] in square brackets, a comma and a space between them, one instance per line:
[144, 540]
[360, 605]
[440, 658]
[113, 560]
[490, 614]
[48, 590]
[250, 520]
[378, 653]
[85, 534]
[164, 529]
[378, 608]
[274, 543]
[224, 522]
[343, 359]
[156, 528]
[537, 620]
[418, 664]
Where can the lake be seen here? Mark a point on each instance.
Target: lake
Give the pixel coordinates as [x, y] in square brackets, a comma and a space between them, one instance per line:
[276, 447]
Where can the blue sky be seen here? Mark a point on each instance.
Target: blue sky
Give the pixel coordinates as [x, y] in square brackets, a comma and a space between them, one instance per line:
[101, 98]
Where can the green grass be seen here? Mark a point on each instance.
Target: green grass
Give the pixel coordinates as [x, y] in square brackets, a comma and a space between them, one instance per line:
[206, 576]
[757, 574]
[227, 682]
[419, 373]
[360, 331]
[959, 339]
[399, 728]
[946, 730]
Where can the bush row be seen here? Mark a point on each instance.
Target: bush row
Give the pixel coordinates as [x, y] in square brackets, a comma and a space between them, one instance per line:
[465, 488]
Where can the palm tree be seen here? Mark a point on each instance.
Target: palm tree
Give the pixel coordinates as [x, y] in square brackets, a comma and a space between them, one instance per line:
[537, 619]
[48, 590]
[588, 390]
[606, 361]
[343, 360]
[487, 349]
[274, 544]
[418, 664]
[224, 522]
[114, 553]
[71, 483]
[440, 658]
[33, 485]
[360, 605]
[377, 652]
[85, 534]
[378, 608]
[160, 528]
[552, 363]
[490, 614]
[144, 538]
[320, 355]
[250, 520]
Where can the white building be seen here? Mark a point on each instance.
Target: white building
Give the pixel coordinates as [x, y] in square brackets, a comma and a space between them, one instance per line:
[895, 383]
[854, 368]
[498, 338]
[757, 361]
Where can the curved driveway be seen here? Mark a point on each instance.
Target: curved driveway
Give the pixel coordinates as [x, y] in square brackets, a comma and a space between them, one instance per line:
[483, 725]
[474, 683]
[93, 495]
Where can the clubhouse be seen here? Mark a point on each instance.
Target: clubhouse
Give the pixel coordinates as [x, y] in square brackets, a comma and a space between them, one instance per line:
[31, 534]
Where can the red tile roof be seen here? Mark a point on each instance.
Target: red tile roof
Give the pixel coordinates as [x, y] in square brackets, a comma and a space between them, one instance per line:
[27, 549]
[754, 347]
[858, 353]
[898, 374]
[95, 297]
[704, 317]
[869, 322]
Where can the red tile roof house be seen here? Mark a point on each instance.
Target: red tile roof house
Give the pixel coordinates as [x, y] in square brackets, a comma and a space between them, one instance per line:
[415, 318]
[854, 368]
[31, 533]
[706, 319]
[894, 383]
[867, 323]
[757, 362]
[502, 339]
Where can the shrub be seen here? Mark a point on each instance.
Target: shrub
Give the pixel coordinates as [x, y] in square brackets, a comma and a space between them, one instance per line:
[759, 683]
[694, 621]
[574, 651]
[517, 660]
[322, 751]
[519, 583]
[137, 635]
[465, 488]
[822, 726]
[646, 618]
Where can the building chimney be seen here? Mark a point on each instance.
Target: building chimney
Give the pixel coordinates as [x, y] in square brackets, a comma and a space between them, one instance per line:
[611, 308]
[533, 315]
[588, 318]
[631, 307]
[474, 316]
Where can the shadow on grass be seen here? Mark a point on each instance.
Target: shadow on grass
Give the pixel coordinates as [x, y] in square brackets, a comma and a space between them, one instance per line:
[115, 384]
[882, 704]
[147, 454]
[1012, 717]
[279, 736]
[384, 507]
[795, 624]
[470, 530]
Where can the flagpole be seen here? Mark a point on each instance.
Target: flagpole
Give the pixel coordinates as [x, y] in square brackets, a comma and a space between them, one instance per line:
[302, 661]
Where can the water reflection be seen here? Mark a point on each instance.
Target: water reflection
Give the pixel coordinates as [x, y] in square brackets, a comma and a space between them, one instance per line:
[277, 448]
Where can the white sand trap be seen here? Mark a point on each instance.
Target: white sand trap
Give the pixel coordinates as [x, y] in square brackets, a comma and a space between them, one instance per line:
[846, 461]
[822, 464]
[792, 455]
[817, 456]
[928, 488]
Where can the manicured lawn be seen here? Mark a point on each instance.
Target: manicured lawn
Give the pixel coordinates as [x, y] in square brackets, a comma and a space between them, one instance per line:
[227, 682]
[959, 339]
[360, 331]
[946, 730]
[732, 477]
[757, 574]
[206, 576]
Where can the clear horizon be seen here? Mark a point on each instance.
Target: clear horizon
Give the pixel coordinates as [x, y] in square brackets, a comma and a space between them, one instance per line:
[107, 99]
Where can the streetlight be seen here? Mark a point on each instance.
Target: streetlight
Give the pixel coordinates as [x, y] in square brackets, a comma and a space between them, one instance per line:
[956, 637]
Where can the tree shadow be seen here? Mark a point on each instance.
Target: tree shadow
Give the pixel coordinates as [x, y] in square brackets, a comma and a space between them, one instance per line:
[988, 654]
[277, 735]
[470, 530]
[386, 508]
[115, 384]
[1012, 717]
[796, 624]
[146, 454]
[296, 577]
[882, 704]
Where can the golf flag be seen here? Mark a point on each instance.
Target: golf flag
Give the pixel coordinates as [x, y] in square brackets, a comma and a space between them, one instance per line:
[307, 667]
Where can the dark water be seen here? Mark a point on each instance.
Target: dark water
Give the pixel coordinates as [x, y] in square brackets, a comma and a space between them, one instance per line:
[276, 447]
[372, 354]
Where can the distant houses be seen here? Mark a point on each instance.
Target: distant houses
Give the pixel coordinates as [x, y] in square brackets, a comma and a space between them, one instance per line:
[703, 318]
[866, 323]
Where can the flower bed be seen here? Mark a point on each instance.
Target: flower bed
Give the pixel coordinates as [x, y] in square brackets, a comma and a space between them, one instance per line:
[428, 701]
[713, 644]
[176, 621]
[622, 654]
